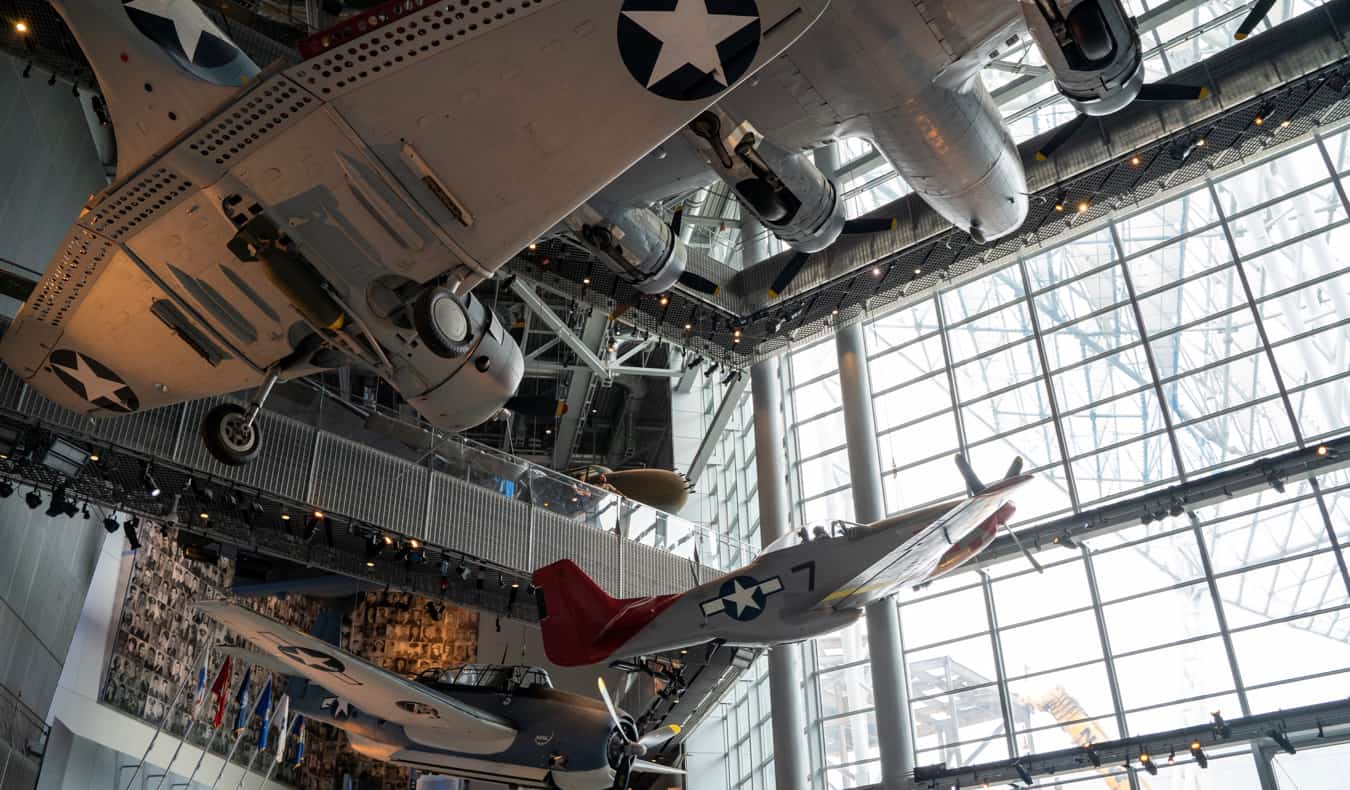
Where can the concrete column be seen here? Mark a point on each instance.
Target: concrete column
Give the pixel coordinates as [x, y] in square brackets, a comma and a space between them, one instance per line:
[785, 667]
[890, 684]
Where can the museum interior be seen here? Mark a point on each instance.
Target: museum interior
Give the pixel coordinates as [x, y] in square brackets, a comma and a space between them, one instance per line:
[645, 394]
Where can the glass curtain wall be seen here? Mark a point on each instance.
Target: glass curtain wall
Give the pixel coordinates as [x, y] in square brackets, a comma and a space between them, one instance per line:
[1200, 333]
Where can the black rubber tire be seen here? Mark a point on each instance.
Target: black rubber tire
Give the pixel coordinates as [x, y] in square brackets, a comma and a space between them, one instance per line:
[433, 302]
[226, 437]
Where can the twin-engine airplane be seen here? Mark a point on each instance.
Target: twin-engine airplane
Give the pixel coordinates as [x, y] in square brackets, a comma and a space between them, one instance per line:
[803, 585]
[488, 722]
[903, 76]
[270, 224]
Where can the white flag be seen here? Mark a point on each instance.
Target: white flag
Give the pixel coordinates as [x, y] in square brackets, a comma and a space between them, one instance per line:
[282, 720]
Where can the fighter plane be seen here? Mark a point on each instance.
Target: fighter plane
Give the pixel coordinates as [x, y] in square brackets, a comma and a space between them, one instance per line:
[489, 722]
[803, 585]
[269, 224]
[904, 77]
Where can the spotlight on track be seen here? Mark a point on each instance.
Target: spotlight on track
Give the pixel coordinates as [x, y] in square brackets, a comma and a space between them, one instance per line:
[129, 528]
[148, 480]
[34, 499]
[1282, 740]
[311, 527]
[1198, 753]
[1023, 773]
[1147, 761]
[1065, 540]
[374, 547]
[511, 596]
[1221, 727]
[1092, 756]
[110, 523]
[6, 489]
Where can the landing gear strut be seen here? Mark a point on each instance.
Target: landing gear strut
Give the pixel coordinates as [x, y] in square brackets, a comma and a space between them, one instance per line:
[230, 431]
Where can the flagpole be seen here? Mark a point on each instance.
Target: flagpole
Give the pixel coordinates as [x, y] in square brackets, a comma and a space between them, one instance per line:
[196, 664]
[239, 736]
[205, 750]
[191, 727]
[247, 769]
[270, 769]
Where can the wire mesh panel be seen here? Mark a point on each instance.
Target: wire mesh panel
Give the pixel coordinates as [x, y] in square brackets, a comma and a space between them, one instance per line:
[369, 485]
[154, 432]
[558, 537]
[282, 466]
[651, 571]
[11, 388]
[479, 522]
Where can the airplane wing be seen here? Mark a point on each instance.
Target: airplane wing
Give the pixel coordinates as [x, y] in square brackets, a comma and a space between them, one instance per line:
[427, 717]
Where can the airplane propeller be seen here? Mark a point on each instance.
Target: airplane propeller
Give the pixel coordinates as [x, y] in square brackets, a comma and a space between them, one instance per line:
[852, 227]
[1157, 91]
[1253, 18]
[974, 487]
[633, 750]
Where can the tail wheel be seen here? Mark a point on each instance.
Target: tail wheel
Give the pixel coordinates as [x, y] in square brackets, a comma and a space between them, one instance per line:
[442, 322]
[229, 436]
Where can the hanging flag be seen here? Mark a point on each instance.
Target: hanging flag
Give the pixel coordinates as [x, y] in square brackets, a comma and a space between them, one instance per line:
[200, 696]
[281, 719]
[219, 691]
[299, 732]
[264, 712]
[241, 699]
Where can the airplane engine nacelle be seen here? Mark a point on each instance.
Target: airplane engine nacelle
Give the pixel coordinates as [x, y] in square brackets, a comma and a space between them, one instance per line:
[633, 242]
[1092, 48]
[973, 542]
[457, 394]
[786, 192]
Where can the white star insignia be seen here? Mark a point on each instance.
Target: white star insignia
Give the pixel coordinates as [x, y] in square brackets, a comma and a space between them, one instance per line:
[95, 386]
[188, 25]
[743, 598]
[689, 35]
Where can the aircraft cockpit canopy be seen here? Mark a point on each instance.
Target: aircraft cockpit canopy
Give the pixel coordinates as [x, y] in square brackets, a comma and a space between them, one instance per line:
[834, 529]
[490, 676]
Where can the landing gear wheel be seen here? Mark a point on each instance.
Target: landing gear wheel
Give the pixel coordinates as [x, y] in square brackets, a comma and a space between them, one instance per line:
[442, 322]
[228, 435]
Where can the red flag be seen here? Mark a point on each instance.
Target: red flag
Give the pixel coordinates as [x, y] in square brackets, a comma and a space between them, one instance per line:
[220, 691]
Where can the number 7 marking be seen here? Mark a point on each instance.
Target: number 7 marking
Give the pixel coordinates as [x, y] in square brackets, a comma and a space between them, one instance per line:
[810, 567]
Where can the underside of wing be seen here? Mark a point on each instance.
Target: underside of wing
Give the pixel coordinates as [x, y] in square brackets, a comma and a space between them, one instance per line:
[426, 716]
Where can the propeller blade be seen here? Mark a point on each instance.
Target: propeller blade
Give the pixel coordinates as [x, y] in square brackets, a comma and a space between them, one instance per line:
[613, 712]
[649, 767]
[625, 770]
[1015, 468]
[659, 736]
[1166, 91]
[973, 484]
[1060, 137]
[701, 284]
[1253, 18]
[788, 273]
[877, 225]
[677, 219]
[537, 406]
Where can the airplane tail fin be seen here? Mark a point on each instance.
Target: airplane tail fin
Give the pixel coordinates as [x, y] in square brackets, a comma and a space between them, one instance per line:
[582, 623]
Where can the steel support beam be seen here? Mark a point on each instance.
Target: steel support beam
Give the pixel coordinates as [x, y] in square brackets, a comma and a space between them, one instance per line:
[584, 351]
[895, 730]
[553, 369]
[730, 400]
[785, 668]
[579, 388]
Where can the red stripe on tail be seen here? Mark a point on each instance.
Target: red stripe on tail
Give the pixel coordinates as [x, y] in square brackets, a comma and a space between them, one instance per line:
[582, 623]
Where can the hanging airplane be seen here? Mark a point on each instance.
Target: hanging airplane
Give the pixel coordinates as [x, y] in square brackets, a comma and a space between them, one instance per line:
[663, 489]
[266, 225]
[801, 586]
[486, 722]
[904, 77]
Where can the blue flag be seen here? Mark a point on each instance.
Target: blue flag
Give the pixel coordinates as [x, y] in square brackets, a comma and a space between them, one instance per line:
[298, 730]
[241, 699]
[264, 711]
